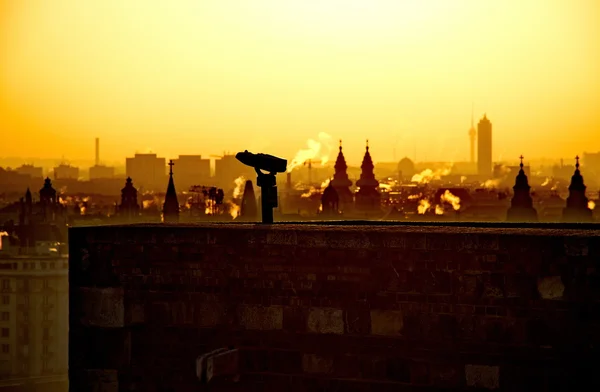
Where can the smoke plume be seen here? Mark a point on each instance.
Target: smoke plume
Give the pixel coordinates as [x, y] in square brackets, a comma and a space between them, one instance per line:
[317, 150]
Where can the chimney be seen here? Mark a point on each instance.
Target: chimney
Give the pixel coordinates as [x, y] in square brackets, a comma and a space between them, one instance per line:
[288, 184]
[97, 151]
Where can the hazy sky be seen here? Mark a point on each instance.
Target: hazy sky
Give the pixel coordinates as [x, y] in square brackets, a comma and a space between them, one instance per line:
[204, 76]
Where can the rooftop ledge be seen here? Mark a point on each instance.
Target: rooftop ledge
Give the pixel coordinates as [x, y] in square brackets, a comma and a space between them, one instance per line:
[373, 227]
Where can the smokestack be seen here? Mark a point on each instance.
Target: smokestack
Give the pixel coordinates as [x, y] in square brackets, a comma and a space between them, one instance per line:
[97, 151]
[289, 181]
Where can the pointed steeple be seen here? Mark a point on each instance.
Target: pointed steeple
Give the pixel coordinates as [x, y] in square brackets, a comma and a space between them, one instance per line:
[129, 206]
[521, 209]
[340, 181]
[367, 197]
[330, 200]
[171, 206]
[249, 209]
[47, 193]
[577, 209]
[367, 176]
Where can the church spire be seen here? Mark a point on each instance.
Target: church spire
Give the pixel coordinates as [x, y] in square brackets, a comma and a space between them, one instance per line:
[340, 181]
[521, 209]
[577, 209]
[249, 208]
[367, 197]
[171, 206]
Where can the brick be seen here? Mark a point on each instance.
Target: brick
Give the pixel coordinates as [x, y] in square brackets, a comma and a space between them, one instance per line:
[348, 241]
[101, 307]
[493, 286]
[551, 287]
[325, 320]
[482, 376]
[281, 237]
[295, 319]
[469, 285]
[223, 364]
[260, 317]
[387, 322]
[312, 363]
[446, 374]
[398, 369]
[104, 380]
[576, 246]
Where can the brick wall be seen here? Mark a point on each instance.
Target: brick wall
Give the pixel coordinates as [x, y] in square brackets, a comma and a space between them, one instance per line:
[335, 308]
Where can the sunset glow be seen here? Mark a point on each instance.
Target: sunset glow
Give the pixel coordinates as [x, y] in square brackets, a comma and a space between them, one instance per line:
[201, 77]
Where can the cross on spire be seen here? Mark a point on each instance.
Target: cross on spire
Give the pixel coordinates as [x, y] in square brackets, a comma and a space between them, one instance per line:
[521, 158]
[367, 144]
[577, 160]
[171, 164]
[340, 144]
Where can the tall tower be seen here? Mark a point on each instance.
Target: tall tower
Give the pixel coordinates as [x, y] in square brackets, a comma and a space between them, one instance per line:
[171, 206]
[97, 151]
[472, 138]
[484, 147]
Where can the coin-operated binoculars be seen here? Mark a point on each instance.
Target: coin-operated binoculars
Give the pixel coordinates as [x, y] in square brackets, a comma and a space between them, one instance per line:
[266, 181]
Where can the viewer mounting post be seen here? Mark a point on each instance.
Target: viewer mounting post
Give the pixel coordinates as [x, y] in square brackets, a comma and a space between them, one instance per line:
[266, 181]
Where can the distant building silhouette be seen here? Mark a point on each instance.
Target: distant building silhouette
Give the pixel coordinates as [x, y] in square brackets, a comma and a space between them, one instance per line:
[30, 170]
[228, 168]
[341, 182]
[48, 201]
[484, 147]
[249, 209]
[99, 172]
[148, 170]
[577, 209]
[406, 168]
[66, 172]
[330, 201]
[171, 206]
[129, 206]
[521, 209]
[367, 197]
[192, 170]
[472, 140]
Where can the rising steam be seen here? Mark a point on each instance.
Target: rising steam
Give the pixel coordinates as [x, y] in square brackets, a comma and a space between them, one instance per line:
[423, 206]
[429, 175]
[317, 150]
[452, 199]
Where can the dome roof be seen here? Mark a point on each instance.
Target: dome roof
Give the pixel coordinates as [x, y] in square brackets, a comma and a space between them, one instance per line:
[406, 165]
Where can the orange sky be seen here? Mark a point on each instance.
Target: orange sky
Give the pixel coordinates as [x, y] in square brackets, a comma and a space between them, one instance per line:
[189, 76]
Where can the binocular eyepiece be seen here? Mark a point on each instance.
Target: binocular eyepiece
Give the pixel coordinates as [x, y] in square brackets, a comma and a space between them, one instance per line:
[268, 163]
[266, 181]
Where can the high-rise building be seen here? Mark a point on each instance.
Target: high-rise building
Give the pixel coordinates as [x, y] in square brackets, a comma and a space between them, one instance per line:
[192, 170]
[66, 172]
[30, 170]
[34, 330]
[147, 170]
[228, 168]
[484, 147]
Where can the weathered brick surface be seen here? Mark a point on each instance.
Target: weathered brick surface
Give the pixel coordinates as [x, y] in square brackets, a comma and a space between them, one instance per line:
[335, 307]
